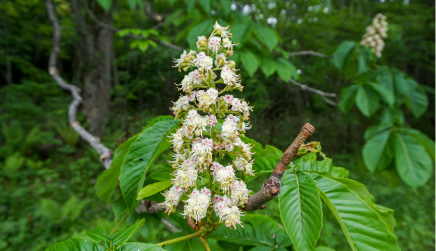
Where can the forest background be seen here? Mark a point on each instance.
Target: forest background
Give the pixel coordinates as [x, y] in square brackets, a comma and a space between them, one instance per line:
[119, 53]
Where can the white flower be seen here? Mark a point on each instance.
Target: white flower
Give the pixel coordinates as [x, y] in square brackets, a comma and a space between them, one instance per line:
[185, 176]
[229, 77]
[225, 176]
[228, 98]
[203, 62]
[244, 165]
[172, 198]
[221, 31]
[177, 140]
[375, 33]
[196, 77]
[181, 104]
[192, 96]
[228, 44]
[211, 120]
[207, 98]
[220, 60]
[219, 203]
[185, 59]
[214, 44]
[229, 129]
[197, 204]
[231, 216]
[239, 193]
[229, 147]
[201, 43]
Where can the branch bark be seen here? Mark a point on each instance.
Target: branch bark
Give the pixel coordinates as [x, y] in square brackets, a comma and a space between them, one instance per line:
[105, 153]
[308, 53]
[271, 187]
[324, 95]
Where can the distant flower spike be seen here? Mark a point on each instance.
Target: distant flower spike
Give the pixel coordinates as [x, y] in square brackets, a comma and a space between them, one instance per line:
[375, 33]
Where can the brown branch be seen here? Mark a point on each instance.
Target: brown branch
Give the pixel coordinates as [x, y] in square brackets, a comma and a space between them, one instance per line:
[308, 53]
[324, 95]
[105, 153]
[271, 187]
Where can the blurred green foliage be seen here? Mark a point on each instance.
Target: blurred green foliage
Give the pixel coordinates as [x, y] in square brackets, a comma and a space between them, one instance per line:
[47, 174]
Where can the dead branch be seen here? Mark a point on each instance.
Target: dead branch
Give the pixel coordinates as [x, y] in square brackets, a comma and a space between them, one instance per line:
[308, 53]
[324, 95]
[105, 153]
[271, 187]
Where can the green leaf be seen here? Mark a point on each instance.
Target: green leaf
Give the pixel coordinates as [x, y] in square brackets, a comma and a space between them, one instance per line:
[385, 85]
[200, 29]
[385, 214]
[386, 94]
[401, 85]
[412, 161]
[123, 236]
[309, 162]
[139, 157]
[347, 98]
[300, 209]
[97, 237]
[363, 59]
[105, 4]
[286, 69]
[258, 231]
[133, 3]
[416, 99]
[136, 246]
[239, 32]
[361, 224]
[72, 208]
[75, 244]
[154, 188]
[366, 100]
[266, 158]
[378, 151]
[339, 56]
[373, 130]
[108, 181]
[226, 6]
[51, 210]
[268, 66]
[249, 61]
[425, 141]
[267, 36]
[206, 6]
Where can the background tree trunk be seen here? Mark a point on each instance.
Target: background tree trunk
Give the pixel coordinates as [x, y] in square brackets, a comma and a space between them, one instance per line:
[92, 67]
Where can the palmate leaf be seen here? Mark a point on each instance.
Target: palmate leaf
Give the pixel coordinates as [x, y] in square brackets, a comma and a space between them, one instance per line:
[412, 161]
[300, 209]
[76, 244]
[141, 154]
[363, 226]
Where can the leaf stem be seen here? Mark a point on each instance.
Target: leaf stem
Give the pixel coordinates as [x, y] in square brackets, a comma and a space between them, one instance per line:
[186, 237]
[119, 223]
